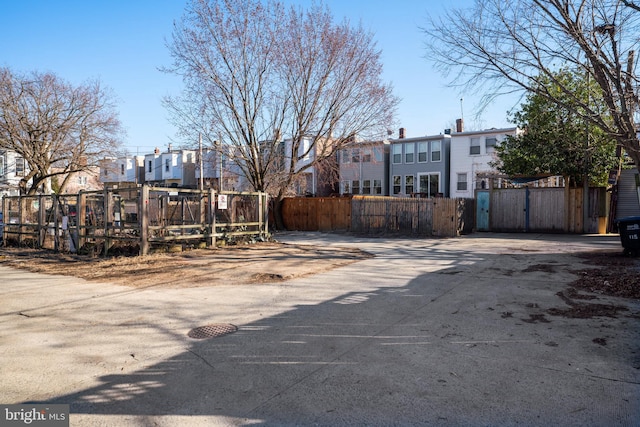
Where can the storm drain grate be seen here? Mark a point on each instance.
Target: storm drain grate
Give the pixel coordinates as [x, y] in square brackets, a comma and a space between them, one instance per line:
[212, 331]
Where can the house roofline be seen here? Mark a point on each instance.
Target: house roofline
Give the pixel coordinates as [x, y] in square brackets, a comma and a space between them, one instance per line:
[422, 138]
[485, 131]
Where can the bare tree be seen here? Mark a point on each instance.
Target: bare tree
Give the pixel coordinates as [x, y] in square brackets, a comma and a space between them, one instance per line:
[267, 79]
[57, 128]
[501, 46]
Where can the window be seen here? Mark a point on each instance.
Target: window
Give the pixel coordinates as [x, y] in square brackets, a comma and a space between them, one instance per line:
[346, 187]
[490, 144]
[423, 147]
[150, 166]
[355, 185]
[19, 166]
[475, 146]
[377, 186]
[429, 184]
[366, 155]
[409, 150]
[346, 156]
[408, 184]
[121, 168]
[396, 184]
[462, 182]
[378, 154]
[366, 186]
[167, 166]
[2, 164]
[82, 180]
[397, 153]
[436, 151]
[355, 155]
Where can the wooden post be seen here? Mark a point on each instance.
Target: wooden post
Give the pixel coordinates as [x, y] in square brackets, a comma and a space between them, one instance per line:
[42, 218]
[211, 239]
[567, 205]
[4, 219]
[143, 219]
[81, 220]
[265, 212]
[108, 220]
[260, 214]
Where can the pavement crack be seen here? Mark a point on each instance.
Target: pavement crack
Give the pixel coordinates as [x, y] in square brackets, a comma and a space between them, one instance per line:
[206, 362]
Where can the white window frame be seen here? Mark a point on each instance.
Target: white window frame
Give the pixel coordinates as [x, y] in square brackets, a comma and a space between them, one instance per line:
[473, 144]
[366, 186]
[366, 155]
[355, 155]
[20, 170]
[377, 186]
[346, 187]
[490, 144]
[396, 179]
[424, 145]
[396, 151]
[438, 151]
[406, 184]
[409, 150]
[464, 181]
[355, 186]
[429, 175]
[378, 154]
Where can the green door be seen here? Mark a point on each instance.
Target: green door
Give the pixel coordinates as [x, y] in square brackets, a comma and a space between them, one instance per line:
[482, 210]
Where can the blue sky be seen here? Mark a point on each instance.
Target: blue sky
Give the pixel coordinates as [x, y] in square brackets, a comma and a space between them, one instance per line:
[122, 43]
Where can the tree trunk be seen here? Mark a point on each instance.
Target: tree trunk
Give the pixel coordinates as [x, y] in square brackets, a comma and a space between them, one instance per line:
[278, 203]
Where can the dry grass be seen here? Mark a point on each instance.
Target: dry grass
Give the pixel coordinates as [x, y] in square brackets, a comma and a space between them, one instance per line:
[257, 263]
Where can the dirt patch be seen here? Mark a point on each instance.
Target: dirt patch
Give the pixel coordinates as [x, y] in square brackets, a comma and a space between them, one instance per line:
[585, 311]
[615, 275]
[256, 263]
[546, 268]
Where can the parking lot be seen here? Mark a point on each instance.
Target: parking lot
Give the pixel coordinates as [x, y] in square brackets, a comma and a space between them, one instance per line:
[465, 331]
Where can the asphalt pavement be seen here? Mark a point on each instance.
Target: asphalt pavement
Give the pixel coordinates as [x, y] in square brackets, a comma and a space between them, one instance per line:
[436, 332]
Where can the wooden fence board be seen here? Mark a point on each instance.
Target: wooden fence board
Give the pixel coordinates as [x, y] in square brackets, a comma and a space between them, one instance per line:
[507, 210]
[374, 215]
[546, 209]
[445, 217]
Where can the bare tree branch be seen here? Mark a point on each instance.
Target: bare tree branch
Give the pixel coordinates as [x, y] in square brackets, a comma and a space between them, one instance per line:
[501, 46]
[53, 124]
[256, 74]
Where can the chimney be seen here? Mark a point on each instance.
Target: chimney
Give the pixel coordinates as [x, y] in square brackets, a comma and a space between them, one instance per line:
[170, 147]
[459, 125]
[156, 151]
[401, 136]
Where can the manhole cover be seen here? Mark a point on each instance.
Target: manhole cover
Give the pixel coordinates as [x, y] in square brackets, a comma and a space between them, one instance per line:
[211, 331]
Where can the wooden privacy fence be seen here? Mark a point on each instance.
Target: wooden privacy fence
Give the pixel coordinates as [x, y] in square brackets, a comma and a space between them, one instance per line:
[317, 213]
[380, 215]
[542, 210]
[135, 218]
